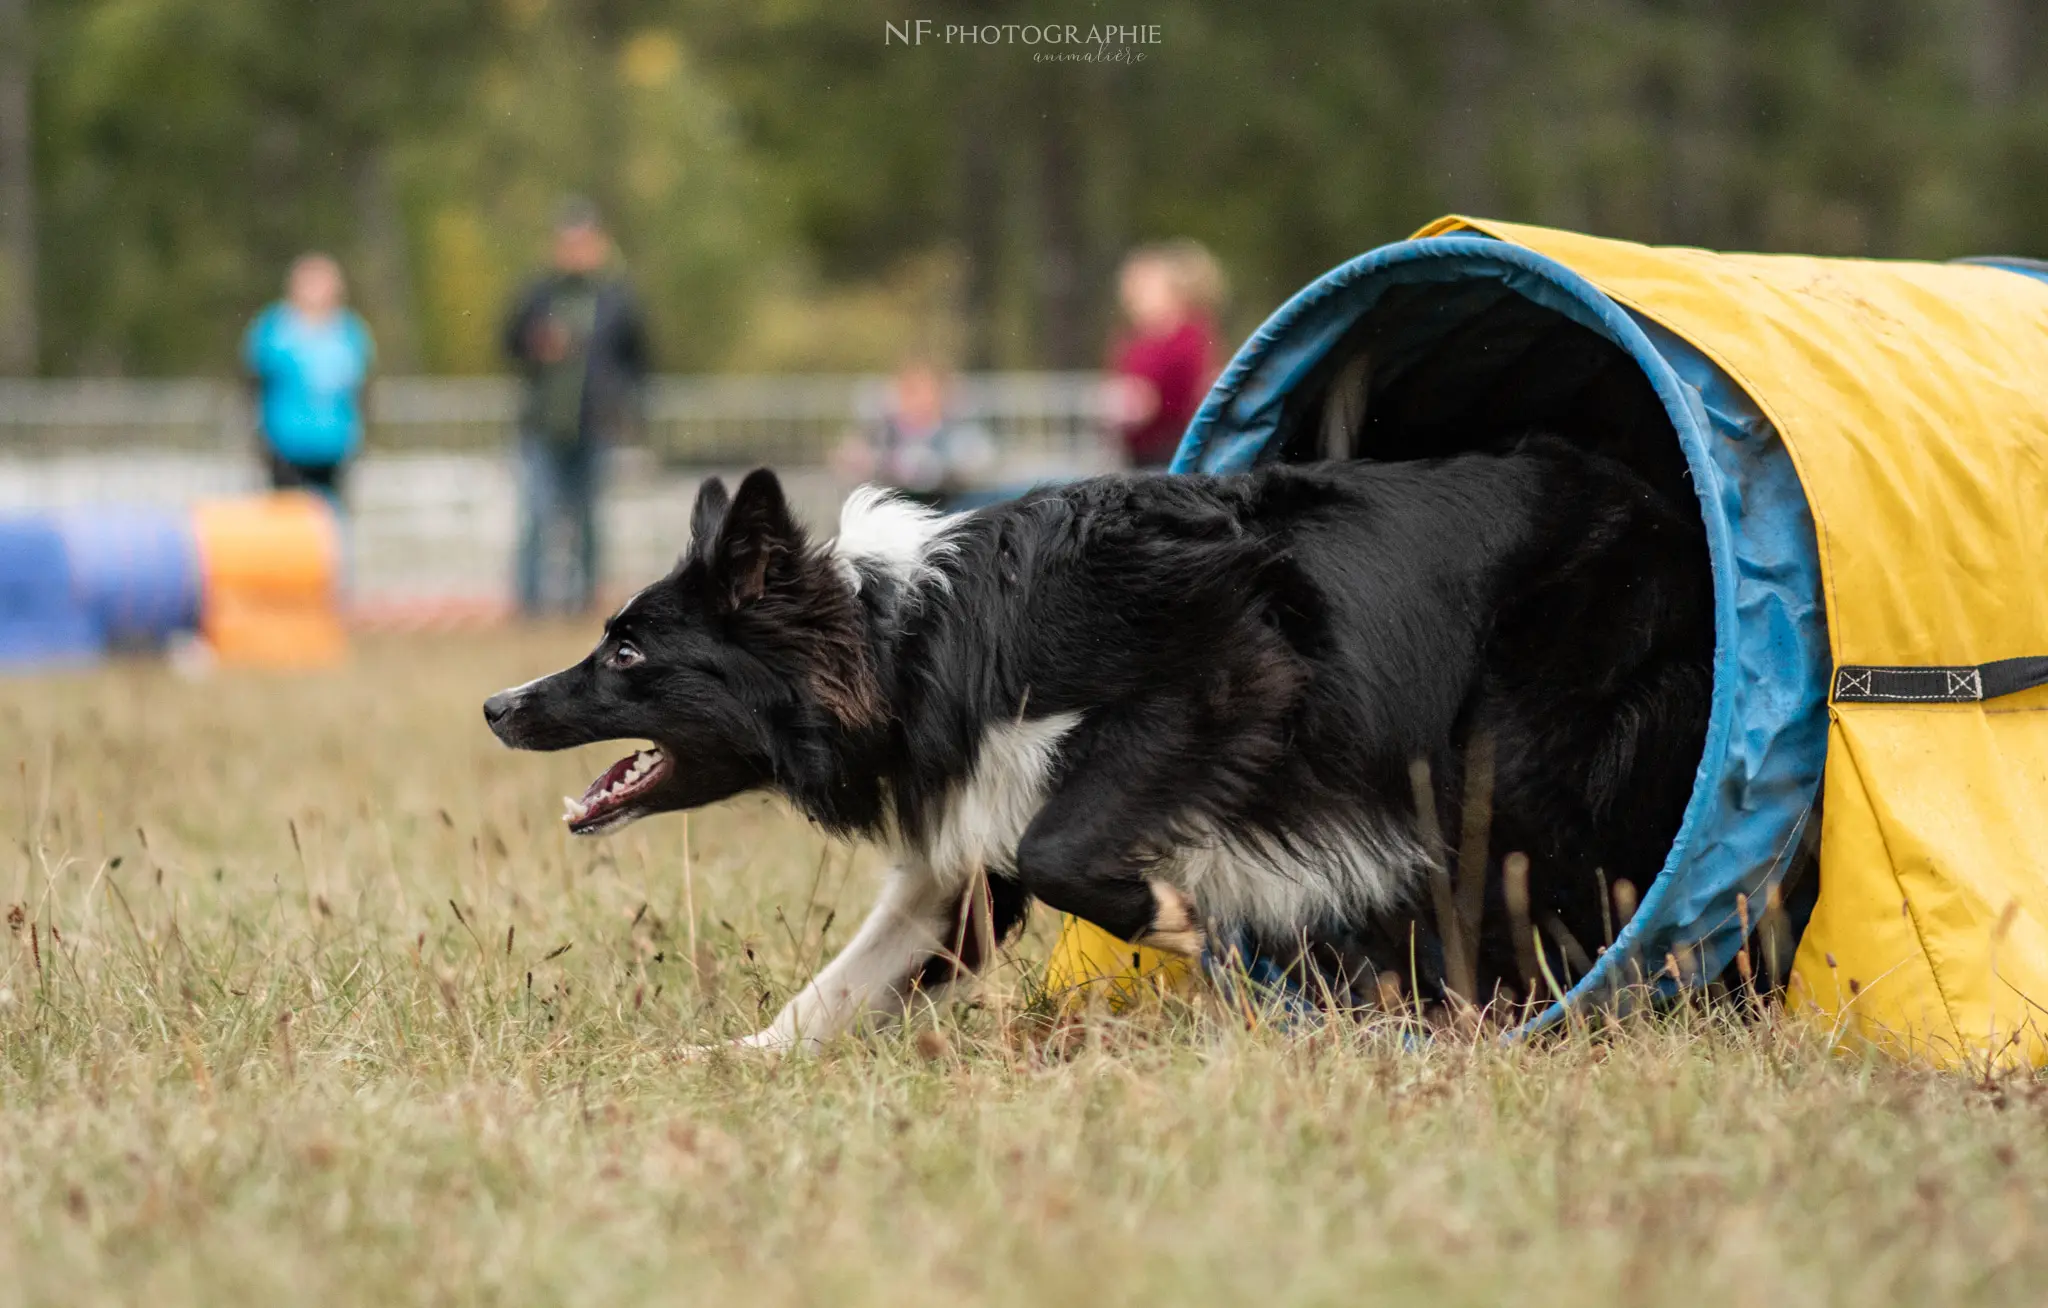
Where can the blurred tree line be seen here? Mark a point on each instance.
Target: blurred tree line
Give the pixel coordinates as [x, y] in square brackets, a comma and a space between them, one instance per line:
[795, 190]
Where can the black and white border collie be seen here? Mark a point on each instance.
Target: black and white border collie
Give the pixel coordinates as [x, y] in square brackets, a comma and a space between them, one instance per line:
[1174, 706]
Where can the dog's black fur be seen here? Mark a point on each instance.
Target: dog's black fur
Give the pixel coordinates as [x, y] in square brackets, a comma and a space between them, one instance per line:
[1256, 657]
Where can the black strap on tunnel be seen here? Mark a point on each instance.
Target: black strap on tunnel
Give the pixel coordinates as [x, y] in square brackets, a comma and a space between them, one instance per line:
[1861, 684]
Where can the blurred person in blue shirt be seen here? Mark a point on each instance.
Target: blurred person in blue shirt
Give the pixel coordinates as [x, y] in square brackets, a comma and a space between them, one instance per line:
[576, 337]
[309, 357]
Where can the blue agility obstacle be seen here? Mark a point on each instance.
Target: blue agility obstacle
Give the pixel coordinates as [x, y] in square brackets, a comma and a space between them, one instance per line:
[42, 621]
[136, 571]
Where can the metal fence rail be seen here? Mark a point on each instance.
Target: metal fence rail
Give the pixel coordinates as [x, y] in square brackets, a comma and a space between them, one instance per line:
[1042, 423]
[434, 502]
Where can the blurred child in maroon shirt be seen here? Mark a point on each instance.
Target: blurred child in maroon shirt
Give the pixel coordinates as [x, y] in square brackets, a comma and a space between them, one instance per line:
[1166, 356]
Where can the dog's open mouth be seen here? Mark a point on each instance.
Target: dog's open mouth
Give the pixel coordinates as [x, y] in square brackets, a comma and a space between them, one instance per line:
[610, 802]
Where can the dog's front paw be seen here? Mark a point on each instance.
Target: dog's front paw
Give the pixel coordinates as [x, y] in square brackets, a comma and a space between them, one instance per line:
[1175, 929]
[770, 1042]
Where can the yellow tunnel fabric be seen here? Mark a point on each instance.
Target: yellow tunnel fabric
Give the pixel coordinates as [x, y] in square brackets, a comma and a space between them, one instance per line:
[1090, 965]
[1913, 398]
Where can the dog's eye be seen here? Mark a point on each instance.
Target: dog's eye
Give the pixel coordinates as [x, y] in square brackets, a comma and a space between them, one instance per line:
[625, 655]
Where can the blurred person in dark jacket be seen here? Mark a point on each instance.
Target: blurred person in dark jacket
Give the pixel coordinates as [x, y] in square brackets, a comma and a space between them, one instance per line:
[1166, 356]
[576, 337]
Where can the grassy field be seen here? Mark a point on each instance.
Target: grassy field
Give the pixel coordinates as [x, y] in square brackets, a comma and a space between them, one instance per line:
[306, 998]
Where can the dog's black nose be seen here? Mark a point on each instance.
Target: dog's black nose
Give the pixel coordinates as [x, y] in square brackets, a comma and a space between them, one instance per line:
[498, 705]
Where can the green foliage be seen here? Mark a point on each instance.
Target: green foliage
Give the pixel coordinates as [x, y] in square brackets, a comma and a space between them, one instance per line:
[793, 189]
[633, 123]
[190, 147]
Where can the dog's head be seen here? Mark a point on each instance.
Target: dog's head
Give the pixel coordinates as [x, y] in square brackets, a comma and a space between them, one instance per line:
[746, 650]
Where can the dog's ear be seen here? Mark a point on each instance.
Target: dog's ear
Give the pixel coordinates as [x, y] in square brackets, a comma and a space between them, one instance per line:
[757, 534]
[712, 503]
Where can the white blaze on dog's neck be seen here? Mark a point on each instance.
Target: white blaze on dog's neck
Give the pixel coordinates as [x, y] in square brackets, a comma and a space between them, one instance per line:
[884, 530]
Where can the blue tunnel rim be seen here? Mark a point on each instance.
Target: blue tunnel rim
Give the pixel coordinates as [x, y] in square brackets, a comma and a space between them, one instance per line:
[1578, 299]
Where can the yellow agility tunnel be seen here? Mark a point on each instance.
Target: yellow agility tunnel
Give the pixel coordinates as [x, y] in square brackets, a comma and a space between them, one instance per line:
[1868, 441]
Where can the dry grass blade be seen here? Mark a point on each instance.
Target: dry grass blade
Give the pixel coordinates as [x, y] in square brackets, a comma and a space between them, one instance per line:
[271, 1104]
[1474, 838]
[1460, 972]
[1514, 882]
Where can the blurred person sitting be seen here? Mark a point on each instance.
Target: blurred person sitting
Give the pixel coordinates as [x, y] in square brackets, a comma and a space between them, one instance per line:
[576, 337]
[916, 445]
[308, 357]
[1165, 358]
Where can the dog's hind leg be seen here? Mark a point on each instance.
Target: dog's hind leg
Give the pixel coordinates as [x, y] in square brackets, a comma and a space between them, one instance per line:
[1176, 928]
[871, 977]
[1084, 853]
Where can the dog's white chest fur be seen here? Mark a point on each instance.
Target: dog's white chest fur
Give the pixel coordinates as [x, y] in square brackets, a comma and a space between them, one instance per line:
[1335, 874]
[985, 815]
